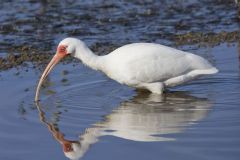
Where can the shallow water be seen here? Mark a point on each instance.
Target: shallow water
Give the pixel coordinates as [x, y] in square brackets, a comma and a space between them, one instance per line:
[101, 118]
[106, 120]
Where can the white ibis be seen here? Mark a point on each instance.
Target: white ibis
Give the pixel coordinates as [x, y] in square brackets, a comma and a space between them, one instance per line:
[141, 65]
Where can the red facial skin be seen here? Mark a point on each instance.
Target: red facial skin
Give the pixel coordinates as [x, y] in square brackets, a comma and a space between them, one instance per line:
[62, 50]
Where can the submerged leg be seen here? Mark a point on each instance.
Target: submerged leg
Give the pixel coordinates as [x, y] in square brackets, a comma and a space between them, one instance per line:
[157, 87]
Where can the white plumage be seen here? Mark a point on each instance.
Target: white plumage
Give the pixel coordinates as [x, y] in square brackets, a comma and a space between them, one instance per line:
[141, 65]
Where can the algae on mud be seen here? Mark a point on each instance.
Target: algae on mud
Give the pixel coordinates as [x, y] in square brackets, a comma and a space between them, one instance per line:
[208, 39]
[37, 57]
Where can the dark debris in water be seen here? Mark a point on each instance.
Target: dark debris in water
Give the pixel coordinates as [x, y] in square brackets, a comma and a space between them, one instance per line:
[64, 80]
[65, 72]
[31, 31]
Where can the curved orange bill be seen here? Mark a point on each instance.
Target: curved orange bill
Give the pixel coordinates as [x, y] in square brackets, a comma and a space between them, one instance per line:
[56, 58]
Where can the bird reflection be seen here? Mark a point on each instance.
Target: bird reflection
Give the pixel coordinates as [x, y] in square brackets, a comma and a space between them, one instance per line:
[146, 118]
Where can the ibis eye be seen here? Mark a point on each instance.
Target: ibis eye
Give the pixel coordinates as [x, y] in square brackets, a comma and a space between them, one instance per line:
[62, 49]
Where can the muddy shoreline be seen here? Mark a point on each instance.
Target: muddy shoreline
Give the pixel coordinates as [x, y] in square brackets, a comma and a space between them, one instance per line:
[31, 32]
[26, 54]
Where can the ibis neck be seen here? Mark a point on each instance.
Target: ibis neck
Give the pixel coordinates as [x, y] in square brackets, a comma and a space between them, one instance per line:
[88, 57]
